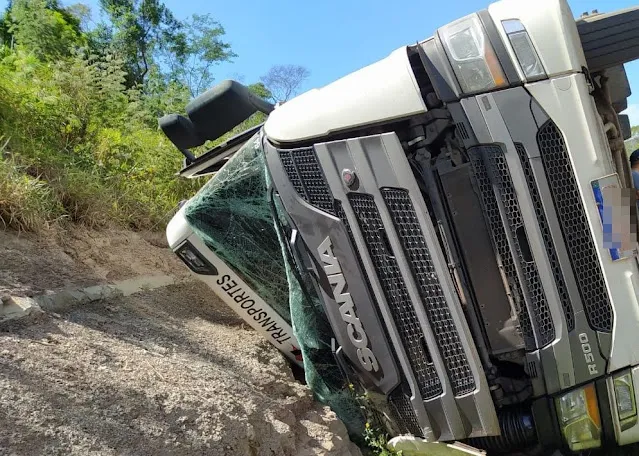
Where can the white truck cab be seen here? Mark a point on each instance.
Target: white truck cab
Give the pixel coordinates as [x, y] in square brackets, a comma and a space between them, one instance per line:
[461, 208]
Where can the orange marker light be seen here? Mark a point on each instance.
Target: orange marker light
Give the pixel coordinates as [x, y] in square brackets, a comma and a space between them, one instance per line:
[593, 408]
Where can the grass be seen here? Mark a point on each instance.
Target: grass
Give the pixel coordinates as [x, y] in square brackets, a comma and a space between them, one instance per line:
[26, 203]
[77, 146]
[376, 442]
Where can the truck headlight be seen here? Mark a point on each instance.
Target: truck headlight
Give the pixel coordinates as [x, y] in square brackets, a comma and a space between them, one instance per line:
[528, 59]
[195, 260]
[471, 55]
[625, 400]
[579, 418]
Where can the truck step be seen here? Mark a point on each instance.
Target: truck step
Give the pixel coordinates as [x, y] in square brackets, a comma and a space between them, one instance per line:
[610, 39]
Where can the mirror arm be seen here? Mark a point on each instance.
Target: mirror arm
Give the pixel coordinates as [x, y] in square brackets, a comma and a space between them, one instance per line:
[190, 158]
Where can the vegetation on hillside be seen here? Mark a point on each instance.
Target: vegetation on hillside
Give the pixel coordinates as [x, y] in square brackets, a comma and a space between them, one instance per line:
[78, 110]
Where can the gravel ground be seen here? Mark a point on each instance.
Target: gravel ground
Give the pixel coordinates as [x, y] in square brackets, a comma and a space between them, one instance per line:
[167, 372]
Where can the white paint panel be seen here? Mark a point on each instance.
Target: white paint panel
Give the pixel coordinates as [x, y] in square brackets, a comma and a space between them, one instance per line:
[381, 92]
[236, 293]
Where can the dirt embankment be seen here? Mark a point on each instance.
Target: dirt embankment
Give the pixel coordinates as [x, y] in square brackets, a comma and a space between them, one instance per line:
[170, 371]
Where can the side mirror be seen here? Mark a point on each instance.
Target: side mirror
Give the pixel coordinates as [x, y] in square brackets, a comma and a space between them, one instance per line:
[211, 115]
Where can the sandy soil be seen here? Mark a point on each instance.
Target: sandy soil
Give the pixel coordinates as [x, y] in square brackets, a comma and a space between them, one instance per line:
[168, 372]
[31, 265]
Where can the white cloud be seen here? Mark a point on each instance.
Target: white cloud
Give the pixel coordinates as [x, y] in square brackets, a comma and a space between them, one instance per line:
[633, 113]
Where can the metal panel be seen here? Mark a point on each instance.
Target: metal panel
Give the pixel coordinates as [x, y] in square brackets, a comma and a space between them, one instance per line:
[399, 400]
[507, 199]
[379, 162]
[374, 161]
[548, 242]
[305, 174]
[502, 248]
[559, 373]
[315, 226]
[402, 176]
[334, 157]
[497, 312]
[402, 411]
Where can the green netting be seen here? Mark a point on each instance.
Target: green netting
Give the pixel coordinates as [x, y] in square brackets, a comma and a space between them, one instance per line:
[233, 215]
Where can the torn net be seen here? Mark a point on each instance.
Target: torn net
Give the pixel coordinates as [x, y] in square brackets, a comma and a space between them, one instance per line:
[234, 216]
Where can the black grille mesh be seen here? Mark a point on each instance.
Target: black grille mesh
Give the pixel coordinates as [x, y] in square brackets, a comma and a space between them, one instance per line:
[397, 296]
[305, 174]
[401, 408]
[574, 225]
[412, 238]
[548, 242]
[498, 169]
[500, 241]
[402, 411]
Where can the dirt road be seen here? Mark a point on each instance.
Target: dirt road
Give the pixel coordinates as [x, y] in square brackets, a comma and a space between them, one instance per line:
[167, 372]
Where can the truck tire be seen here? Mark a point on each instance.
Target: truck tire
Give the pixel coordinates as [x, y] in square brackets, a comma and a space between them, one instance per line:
[610, 39]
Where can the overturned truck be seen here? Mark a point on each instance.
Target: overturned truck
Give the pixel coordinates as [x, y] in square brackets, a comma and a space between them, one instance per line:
[445, 241]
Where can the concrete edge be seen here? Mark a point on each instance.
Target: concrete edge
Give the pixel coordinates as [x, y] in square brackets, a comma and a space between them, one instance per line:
[14, 307]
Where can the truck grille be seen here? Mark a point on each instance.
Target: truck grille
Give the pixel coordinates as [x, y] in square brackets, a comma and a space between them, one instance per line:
[412, 239]
[574, 225]
[397, 296]
[305, 173]
[500, 241]
[548, 242]
[401, 408]
[498, 169]
[402, 411]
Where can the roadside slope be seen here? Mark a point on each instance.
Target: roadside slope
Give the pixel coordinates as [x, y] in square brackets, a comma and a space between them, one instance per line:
[170, 371]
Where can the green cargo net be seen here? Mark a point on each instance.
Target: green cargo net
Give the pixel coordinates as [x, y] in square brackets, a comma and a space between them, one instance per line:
[234, 216]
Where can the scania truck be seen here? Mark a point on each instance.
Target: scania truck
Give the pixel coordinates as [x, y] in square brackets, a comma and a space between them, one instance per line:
[464, 208]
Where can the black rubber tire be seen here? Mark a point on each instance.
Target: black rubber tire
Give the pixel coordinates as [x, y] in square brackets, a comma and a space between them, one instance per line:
[610, 39]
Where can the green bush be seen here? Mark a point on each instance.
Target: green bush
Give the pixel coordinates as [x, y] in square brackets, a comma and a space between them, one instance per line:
[79, 136]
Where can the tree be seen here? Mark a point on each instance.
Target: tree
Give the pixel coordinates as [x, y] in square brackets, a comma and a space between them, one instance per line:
[261, 91]
[5, 24]
[193, 52]
[284, 81]
[82, 13]
[141, 28]
[147, 34]
[43, 28]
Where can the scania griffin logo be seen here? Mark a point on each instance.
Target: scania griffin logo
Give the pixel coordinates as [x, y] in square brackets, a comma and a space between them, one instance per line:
[347, 309]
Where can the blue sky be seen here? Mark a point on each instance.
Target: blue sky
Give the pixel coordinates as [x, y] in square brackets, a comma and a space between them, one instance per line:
[334, 37]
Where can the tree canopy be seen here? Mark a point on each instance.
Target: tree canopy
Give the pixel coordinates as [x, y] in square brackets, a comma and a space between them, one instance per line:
[284, 81]
[79, 104]
[42, 27]
[158, 50]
